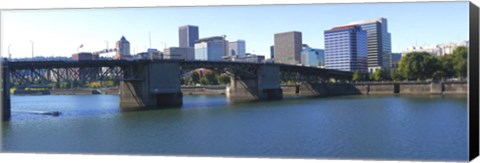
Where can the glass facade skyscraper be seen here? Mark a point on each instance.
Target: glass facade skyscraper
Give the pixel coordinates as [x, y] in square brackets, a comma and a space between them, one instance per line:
[187, 35]
[212, 48]
[379, 42]
[312, 57]
[346, 48]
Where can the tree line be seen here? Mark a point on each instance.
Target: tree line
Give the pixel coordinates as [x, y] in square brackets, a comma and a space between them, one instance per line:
[208, 78]
[421, 66]
[75, 84]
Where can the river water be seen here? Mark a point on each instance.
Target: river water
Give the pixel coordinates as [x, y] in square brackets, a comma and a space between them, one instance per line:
[348, 127]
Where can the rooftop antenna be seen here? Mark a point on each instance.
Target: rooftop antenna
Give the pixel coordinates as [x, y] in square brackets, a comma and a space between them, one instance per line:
[149, 40]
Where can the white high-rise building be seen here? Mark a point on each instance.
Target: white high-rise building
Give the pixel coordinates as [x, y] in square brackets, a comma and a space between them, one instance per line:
[436, 50]
[237, 48]
[212, 48]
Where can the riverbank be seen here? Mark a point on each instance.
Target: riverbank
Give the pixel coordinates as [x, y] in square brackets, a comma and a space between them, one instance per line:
[73, 91]
[423, 88]
[364, 88]
[204, 90]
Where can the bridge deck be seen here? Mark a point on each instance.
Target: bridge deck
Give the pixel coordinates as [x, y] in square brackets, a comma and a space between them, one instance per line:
[246, 68]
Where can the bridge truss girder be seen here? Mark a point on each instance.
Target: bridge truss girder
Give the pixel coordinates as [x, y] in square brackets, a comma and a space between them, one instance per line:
[45, 76]
[44, 72]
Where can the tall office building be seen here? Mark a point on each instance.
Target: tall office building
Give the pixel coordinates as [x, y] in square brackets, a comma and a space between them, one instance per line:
[212, 48]
[237, 48]
[272, 52]
[288, 46]
[187, 35]
[346, 48]
[123, 49]
[312, 56]
[379, 43]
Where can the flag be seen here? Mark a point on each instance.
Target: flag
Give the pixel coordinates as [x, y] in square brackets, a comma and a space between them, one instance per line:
[81, 46]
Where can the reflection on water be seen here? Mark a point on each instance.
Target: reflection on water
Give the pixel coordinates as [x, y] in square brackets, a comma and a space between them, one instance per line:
[368, 127]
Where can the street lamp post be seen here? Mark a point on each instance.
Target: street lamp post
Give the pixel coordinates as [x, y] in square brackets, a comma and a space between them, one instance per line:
[9, 54]
[32, 47]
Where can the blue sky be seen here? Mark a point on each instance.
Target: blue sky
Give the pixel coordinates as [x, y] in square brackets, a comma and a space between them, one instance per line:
[60, 32]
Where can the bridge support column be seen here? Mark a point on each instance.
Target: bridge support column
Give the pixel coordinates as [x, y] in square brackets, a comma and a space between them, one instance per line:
[265, 86]
[159, 86]
[5, 96]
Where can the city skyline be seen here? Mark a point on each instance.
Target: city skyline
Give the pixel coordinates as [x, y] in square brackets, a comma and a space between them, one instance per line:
[61, 32]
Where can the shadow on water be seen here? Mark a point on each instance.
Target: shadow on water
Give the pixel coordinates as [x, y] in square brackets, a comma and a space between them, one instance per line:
[195, 102]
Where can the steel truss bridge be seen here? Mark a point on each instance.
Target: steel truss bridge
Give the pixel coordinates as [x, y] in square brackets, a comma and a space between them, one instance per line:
[41, 73]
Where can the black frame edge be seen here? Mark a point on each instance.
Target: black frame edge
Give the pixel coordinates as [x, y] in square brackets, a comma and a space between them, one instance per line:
[473, 82]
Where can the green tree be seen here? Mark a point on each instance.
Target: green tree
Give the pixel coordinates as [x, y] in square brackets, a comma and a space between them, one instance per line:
[378, 75]
[459, 57]
[395, 75]
[211, 79]
[446, 65]
[182, 80]
[194, 77]
[438, 75]
[223, 79]
[94, 84]
[357, 76]
[109, 83]
[203, 80]
[418, 65]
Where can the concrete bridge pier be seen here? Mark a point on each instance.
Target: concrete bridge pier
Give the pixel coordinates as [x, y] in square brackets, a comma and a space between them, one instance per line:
[5, 96]
[154, 85]
[264, 86]
[312, 89]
